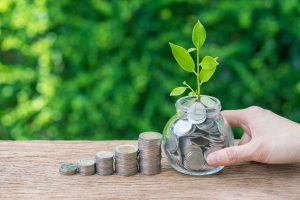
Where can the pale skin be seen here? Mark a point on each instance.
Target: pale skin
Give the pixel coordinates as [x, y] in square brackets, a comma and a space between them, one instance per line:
[268, 138]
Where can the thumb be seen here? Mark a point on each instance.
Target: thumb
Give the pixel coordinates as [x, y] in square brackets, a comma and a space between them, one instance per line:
[230, 155]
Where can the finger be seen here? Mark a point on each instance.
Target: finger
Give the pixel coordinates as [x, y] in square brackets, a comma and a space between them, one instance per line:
[237, 118]
[230, 155]
[245, 139]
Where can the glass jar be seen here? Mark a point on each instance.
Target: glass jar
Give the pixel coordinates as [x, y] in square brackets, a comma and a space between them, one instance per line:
[196, 130]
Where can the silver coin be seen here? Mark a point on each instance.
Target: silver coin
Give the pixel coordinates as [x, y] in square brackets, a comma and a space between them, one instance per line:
[182, 127]
[194, 160]
[104, 155]
[171, 143]
[68, 168]
[104, 162]
[150, 136]
[206, 125]
[86, 166]
[126, 149]
[220, 124]
[200, 141]
[126, 160]
[208, 102]
[150, 153]
[196, 113]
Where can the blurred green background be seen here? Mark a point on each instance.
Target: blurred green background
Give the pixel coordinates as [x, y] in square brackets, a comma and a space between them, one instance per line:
[97, 69]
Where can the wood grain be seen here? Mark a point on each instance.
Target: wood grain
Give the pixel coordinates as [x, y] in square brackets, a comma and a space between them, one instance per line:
[29, 170]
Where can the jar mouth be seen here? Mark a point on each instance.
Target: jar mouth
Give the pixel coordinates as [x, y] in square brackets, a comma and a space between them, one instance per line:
[183, 103]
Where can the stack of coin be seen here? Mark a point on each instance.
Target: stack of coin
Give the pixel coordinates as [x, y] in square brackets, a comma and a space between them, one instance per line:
[126, 160]
[150, 153]
[86, 166]
[68, 168]
[193, 157]
[104, 162]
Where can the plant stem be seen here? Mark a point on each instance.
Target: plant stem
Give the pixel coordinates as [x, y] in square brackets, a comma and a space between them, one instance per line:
[189, 87]
[198, 75]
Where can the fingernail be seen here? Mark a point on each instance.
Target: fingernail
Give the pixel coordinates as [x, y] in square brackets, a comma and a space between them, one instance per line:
[213, 159]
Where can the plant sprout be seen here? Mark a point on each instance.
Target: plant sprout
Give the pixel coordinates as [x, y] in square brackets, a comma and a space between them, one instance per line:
[184, 59]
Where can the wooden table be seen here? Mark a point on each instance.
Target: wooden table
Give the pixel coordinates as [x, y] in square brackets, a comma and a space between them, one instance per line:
[29, 170]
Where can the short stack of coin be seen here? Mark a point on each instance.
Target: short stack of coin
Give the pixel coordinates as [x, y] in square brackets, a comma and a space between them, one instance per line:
[104, 162]
[150, 153]
[86, 166]
[126, 160]
[68, 169]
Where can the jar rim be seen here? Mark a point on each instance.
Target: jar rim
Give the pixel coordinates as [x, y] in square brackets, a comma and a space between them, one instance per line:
[180, 102]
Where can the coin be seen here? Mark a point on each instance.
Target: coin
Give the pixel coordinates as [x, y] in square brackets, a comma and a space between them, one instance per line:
[206, 125]
[194, 160]
[171, 142]
[126, 150]
[200, 141]
[149, 145]
[153, 136]
[196, 113]
[104, 155]
[68, 168]
[220, 124]
[86, 166]
[182, 127]
[208, 102]
[104, 162]
[126, 160]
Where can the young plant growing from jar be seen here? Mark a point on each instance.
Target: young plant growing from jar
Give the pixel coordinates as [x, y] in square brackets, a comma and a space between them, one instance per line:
[202, 70]
[198, 128]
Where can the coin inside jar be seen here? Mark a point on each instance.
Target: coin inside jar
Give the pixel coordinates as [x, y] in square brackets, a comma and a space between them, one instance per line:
[171, 143]
[208, 102]
[196, 113]
[194, 160]
[182, 127]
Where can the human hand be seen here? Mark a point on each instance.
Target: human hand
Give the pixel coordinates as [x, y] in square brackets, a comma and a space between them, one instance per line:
[268, 138]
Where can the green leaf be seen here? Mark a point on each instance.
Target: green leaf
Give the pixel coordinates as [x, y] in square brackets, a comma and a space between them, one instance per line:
[198, 35]
[209, 63]
[191, 50]
[183, 58]
[178, 91]
[205, 75]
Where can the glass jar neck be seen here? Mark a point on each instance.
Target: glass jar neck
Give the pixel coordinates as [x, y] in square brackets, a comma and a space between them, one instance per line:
[211, 106]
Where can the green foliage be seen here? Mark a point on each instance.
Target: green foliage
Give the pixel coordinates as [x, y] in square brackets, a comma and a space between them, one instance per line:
[100, 69]
[198, 35]
[208, 65]
[185, 60]
[178, 91]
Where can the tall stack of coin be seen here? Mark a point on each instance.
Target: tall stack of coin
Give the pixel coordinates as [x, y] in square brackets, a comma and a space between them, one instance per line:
[150, 153]
[86, 166]
[126, 160]
[104, 162]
